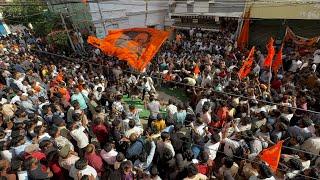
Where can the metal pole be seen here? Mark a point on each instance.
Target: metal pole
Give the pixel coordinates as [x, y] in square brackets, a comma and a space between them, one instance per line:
[65, 27]
[101, 17]
[146, 14]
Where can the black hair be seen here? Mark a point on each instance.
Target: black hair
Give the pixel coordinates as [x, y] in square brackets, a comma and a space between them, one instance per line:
[300, 139]
[120, 157]
[178, 127]
[188, 155]
[205, 107]
[265, 171]
[204, 157]
[53, 130]
[192, 170]
[165, 135]
[107, 147]
[132, 124]
[296, 164]
[171, 102]
[143, 156]
[170, 122]
[85, 177]
[76, 117]
[44, 143]
[215, 137]
[98, 109]
[228, 162]
[81, 164]
[167, 154]
[115, 123]
[159, 116]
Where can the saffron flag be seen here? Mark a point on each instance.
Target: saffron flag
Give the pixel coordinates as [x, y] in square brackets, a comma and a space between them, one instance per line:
[298, 40]
[271, 155]
[246, 67]
[196, 69]
[271, 52]
[278, 60]
[243, 38]
[137, 46]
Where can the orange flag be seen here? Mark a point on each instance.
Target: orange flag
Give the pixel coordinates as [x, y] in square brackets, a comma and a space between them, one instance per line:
[271, 52]
[84, 1]
[196, 69]
[271, 155]
[243, 38]
[278, 60]
[137, 46]
[246, 67]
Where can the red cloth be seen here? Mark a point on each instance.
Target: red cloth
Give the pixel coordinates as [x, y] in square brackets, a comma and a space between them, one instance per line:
[203, 169]
[243, 38]
[246, 67]
[223, 114]
[271, 155]
[278, 60]
[101, 132]
[95, 161]
[57, 170]
[276, 84]
[37, 154]
[271, 52]
[196, 69]
[222, 74]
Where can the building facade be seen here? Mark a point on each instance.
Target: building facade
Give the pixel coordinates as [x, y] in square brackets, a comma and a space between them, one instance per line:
[271, 17]
[205, 14]
[121, 14]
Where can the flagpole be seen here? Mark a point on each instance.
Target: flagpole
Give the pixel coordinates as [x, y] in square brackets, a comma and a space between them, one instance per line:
[270, 74]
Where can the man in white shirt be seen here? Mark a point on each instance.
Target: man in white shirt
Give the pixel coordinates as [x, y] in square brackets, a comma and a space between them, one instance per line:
[295, 65]
[78, 134]
[212, 146]
[109, 154]
[153, 106]
[200, 104]
[133, 129]
[81, 168]
[98, 93]
[171, 108]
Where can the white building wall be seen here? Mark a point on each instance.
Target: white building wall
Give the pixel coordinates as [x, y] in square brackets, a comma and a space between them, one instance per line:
[128, 14]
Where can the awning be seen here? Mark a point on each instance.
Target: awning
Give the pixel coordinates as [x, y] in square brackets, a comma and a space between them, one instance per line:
[216, 14]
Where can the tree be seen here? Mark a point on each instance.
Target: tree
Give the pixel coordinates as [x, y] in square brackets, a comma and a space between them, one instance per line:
[34, 12]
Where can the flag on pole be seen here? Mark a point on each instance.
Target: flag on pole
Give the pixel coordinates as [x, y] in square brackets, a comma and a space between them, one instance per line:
[243, 38]
[271, 155]
[196, 69]
[278, 60]
[246, 67]
[137, 46]
[271, 52]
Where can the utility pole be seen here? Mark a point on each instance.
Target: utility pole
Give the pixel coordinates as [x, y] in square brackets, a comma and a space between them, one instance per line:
[146, 14]
[65, 27]
[101, 17]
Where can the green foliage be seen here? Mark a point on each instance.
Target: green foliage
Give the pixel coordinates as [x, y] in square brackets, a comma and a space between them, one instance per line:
[59, 39]
[36, 13]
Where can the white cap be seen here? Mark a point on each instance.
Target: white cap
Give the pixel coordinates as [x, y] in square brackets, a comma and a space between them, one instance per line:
[314, 67]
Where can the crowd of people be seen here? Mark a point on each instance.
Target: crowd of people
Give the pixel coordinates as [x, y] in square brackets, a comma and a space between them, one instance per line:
[66, 119]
